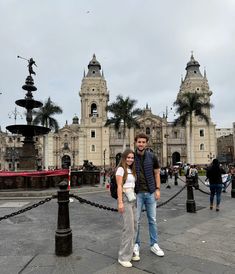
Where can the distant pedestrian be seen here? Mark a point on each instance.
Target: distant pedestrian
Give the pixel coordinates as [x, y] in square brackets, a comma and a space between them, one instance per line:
[193, 173]
[213, 174]
[170, 172]
[125, 178]
[186, 170]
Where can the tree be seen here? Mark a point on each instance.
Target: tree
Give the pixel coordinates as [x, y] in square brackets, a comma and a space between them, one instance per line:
[189, 105]
[124, 115]
[44, 115]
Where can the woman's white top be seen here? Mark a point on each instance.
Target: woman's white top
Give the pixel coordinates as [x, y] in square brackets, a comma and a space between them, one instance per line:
[130, 180]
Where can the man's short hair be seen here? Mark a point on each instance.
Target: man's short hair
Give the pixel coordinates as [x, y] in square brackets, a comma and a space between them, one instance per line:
[141, 135]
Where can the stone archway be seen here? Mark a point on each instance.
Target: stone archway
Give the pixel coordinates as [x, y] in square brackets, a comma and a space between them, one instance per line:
[175, 157]
[66, 161]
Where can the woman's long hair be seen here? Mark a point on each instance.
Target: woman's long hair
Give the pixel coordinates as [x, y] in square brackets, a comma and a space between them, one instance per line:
[124, 165]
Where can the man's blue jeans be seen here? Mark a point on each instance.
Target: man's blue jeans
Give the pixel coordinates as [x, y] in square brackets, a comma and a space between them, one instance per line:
[149, 201]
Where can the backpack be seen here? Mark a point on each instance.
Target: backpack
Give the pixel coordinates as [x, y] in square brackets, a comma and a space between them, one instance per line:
[113, 186]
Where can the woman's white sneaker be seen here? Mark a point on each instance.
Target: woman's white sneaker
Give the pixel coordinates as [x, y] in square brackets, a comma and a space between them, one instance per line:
[125, 263]
[136, 253]
[157, 250]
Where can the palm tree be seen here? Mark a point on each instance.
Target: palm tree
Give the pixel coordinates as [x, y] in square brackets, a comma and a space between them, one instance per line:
[124, 115]
[44, 115]
[189, 105]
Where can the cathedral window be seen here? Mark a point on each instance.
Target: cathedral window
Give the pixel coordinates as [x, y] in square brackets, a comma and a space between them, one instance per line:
[147, 130]
[94, 110]
[66, 146]
[175, 134]
[92, 133]
[93, 148]
[201, 132]
[201, 146]
[119, 135]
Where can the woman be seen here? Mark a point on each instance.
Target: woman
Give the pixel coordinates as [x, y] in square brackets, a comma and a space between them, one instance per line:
[125, 178]
[214, 173]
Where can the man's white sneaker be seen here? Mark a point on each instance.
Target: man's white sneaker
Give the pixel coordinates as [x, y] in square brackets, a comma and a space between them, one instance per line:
[157, 250]
[125, 263]
[136, 253]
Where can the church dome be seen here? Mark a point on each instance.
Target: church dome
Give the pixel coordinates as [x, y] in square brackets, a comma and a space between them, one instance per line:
[192, 63]
[94, 63]
[75, 120]
[94, 68]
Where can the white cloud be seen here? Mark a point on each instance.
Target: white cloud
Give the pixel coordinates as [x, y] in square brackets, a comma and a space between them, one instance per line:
[143, 47]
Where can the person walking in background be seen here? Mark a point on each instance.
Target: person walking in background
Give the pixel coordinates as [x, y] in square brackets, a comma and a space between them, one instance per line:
[125, 178]
[148, 192]
[213, 174]
[193, 173]
[186, 170]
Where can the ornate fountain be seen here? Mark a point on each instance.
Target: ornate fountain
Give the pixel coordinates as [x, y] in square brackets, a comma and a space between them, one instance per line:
[28, 157]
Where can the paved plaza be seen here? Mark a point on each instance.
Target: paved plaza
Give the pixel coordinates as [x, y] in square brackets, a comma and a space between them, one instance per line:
[201, 242]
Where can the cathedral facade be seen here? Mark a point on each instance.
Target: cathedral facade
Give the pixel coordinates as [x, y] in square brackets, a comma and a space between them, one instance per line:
[103, 145]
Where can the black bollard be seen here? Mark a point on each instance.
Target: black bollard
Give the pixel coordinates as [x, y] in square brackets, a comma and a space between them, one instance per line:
[63, 235]
[233, 187]
[176, 179]
[190, 203]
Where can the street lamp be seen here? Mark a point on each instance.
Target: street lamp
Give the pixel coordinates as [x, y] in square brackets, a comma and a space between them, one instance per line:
[104, 166]
[210, 156]
[166, 116]
[14, 113]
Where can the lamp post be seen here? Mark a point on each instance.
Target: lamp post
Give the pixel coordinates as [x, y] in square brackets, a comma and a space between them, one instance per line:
[166, 116]
[104, 166]
[210, 156]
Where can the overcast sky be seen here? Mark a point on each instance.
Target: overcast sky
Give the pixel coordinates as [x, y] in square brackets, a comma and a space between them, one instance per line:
[143, 47]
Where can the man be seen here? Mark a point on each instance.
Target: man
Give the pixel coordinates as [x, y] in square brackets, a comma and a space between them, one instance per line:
[148, 192]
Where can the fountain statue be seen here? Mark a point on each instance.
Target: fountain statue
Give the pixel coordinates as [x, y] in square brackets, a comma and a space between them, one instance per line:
[28, 157]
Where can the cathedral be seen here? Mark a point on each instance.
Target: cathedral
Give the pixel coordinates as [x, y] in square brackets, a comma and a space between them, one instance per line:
[89, 139]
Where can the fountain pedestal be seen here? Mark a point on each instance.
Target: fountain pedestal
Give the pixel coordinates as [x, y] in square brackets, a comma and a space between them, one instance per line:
[28, 159]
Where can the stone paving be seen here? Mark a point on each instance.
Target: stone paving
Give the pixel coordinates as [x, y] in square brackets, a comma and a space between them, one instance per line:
[201, 242]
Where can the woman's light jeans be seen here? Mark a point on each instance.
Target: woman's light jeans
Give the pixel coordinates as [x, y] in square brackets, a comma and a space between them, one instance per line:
[128, 230]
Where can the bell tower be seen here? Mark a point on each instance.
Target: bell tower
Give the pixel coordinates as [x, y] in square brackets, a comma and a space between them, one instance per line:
[94, 137]
[204, 138]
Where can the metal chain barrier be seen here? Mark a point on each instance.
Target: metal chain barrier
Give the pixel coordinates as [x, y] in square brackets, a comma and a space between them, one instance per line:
[198, 188]
[203, 182]
[27, 208]
[227, 185]
[81, 200]
[205, 192]
[181, 180]
[164, 203]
